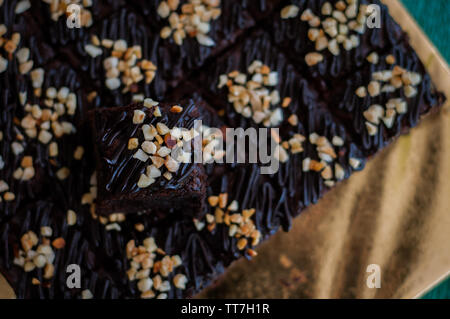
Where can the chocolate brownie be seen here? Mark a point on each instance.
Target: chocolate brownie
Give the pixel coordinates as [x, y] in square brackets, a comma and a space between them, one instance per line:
[329, 42]
[120, 60]
[187, 44]
[145, 159]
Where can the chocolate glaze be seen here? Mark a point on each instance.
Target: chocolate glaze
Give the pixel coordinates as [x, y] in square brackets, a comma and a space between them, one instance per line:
[291, 35]
[58, 34]
[188, 57]
[323, 102]
[122, 25]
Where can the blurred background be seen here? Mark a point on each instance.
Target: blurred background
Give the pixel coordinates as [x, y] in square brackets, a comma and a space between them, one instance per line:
[432, 16]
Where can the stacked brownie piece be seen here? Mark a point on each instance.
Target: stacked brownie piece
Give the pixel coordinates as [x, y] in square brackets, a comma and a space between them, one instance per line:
[92, 171]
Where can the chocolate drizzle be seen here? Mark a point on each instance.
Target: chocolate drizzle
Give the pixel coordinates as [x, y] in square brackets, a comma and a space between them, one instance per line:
[323, 98]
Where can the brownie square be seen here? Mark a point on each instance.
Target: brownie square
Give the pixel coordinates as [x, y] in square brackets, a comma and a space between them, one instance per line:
[384, 98]
[120, 60]
[307, 130]
[199, 44]
[55, 19]
[304, 36]
[138, 168]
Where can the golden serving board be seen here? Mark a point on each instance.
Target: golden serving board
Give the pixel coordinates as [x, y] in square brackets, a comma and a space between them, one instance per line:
[395, 213]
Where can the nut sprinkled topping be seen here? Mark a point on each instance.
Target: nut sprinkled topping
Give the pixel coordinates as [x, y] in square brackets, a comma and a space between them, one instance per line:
[58, 8]
[125, 65]
[192, 19]
[138, 117]
[290, 11]
[163, 146]
[71, 217]
[340, 26]
[149, 265]
[251, 95]
[240, 225]
[87, 294]
[388, 81]
[34, 253]
[44, 122]
[313, 58]
[328, 167]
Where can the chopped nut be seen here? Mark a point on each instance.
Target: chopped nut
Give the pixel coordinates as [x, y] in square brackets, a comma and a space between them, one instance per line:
[223, 199]
[53, 149]
[157, 161]
[361, 92]
[39, 261]
[373, 58]
[87, 294]
[71, 217]
[171, 164]
[242, 243]
[313, 58]
[93, 50]
[390, 59]
[374, 88]
[168, 176]
[133, 143]
[372, 129]
[355, 163]
[138, 117]
[162, 128]
[213, 200]
[327, 9]
[149, 147]
[410, 91]
[44, 137]
[290, 11]
[59, 243]
[46, 231]
[149, 294]
[145, 284]
[49, 271]
[145, 181]
[139, 227]
[8, 196]
[180, 281]
[63, 173]
[333, 47]
[176, 109]
[79, 152]
[140, 155]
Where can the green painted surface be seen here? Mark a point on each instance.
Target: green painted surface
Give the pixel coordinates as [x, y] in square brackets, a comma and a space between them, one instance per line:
[433, 17]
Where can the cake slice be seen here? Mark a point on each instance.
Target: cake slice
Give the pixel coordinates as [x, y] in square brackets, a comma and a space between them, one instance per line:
[144, 158]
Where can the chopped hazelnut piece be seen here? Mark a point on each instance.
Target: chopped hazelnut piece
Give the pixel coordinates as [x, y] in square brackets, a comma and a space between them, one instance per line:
[290, 11]
[71, 217]
[59, 243]
[176, 109]
[138, 117]
[133, 143]
[313, 58]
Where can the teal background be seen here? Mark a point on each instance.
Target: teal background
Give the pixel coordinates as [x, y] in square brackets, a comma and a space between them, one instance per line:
[433, 17]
